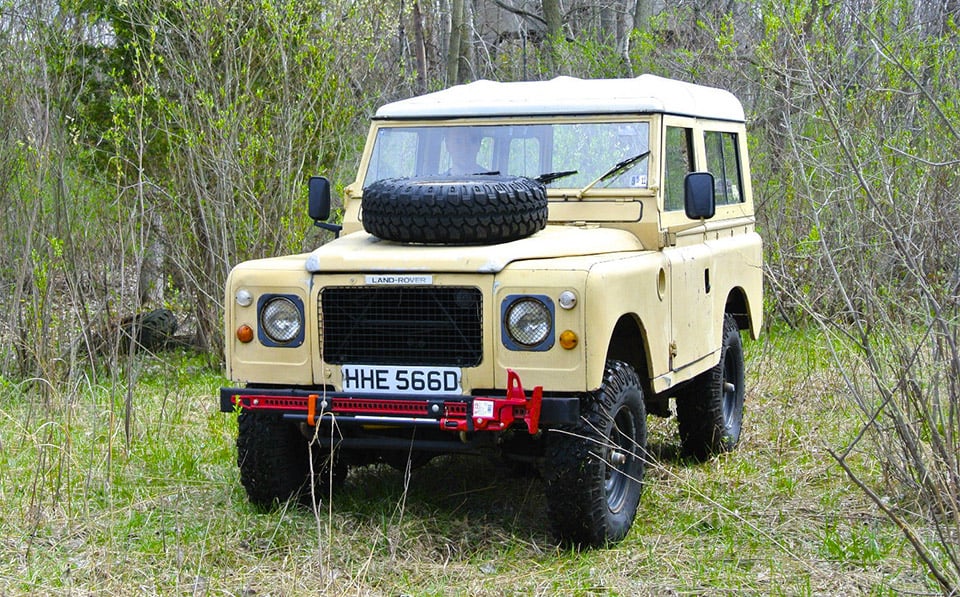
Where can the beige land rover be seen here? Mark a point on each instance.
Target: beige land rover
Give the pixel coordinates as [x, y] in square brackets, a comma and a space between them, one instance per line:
[523, 269]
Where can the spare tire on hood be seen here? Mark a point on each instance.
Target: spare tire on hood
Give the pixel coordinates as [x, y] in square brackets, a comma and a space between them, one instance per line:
[454, 210]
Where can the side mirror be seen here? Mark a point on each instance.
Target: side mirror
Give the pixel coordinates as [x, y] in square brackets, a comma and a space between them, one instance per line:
[319, 198]
[318, 204]
[699, 199]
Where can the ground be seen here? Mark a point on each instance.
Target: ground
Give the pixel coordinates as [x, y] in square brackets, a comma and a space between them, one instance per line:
[87, 509]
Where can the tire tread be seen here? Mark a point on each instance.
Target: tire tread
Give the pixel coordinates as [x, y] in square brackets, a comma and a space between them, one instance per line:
[454, 210]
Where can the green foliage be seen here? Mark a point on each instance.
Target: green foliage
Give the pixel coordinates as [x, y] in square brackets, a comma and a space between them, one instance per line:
[858, 544]
[206, 119]
[590, 57]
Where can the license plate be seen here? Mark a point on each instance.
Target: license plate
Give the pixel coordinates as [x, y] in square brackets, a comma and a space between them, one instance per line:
[400, 380]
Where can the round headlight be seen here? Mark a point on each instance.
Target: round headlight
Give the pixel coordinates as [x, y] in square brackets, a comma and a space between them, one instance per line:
[529, 322]
[281, 320]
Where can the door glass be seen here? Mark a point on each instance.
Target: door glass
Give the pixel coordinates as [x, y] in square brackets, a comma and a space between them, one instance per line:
[723, 162]
[678, 160]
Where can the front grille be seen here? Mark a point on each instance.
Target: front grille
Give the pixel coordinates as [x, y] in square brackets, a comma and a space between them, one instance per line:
[437, 326]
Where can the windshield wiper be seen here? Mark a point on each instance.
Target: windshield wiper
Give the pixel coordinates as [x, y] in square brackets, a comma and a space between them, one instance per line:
[618, 168]
[552, 176]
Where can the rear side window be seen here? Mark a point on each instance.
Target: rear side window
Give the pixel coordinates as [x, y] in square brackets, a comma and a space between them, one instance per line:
[723, 161]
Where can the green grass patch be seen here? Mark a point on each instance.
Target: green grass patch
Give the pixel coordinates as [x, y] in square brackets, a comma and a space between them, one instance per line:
[100, 498]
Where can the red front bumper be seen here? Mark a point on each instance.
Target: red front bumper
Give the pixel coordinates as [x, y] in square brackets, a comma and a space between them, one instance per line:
[448, 413]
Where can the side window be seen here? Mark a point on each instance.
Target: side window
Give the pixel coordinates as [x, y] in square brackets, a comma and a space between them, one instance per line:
[723, 161]
[678, 161]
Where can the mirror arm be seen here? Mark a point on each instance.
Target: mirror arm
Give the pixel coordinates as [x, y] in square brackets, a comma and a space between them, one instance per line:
[334, 228]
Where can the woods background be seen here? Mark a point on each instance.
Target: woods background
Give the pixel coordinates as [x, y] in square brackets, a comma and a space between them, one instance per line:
[146, 147]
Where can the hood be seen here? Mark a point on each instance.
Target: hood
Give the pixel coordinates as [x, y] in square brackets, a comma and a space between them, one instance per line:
[362, 252]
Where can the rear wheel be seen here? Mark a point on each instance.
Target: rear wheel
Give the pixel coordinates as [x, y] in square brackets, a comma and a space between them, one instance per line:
[594, 470]
[710, 410]
[274, 460]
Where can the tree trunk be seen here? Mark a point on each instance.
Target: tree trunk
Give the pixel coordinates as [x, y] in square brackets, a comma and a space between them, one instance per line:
[151, 281]
[419, 48]
[467, 58]
[642, 13]
[453, 49]
[554, 20]
[609, 25]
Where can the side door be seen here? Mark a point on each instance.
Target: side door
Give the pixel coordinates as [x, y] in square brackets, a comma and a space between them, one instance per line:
[731, 233]
[691, 259]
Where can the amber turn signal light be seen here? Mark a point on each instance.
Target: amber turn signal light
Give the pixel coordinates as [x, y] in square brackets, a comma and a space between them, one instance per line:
[245, 333]
[568, 339]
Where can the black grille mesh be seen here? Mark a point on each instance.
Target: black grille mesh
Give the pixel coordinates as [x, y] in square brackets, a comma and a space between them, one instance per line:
[437, 326]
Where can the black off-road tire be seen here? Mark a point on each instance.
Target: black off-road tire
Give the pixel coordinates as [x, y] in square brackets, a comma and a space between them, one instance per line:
[593, 471]
[156, 329]
[274, 460]
[461, 210]
[710, 409]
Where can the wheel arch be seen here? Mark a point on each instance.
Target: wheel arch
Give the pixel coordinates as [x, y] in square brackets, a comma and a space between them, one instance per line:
[747, 315]
[628, 343]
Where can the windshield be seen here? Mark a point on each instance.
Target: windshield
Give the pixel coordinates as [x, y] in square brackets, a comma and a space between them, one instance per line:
[563, 155]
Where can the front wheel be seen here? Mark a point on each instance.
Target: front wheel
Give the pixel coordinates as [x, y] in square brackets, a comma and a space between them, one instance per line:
[274, 460]
[710, 410]
[594, 470]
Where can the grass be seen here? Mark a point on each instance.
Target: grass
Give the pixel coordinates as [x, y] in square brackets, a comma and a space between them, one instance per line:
[86, 509]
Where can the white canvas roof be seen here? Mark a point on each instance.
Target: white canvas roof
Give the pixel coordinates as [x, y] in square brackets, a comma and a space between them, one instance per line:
[569, 95]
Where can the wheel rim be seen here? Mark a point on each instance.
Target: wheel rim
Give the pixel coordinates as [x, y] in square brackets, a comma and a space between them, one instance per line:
[620, 459]
[731, 392]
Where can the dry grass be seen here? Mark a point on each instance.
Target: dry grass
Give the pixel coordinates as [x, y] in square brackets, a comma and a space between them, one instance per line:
[85, 511]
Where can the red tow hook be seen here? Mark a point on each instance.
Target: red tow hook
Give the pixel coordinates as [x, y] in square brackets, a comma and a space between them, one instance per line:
[499, 413]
